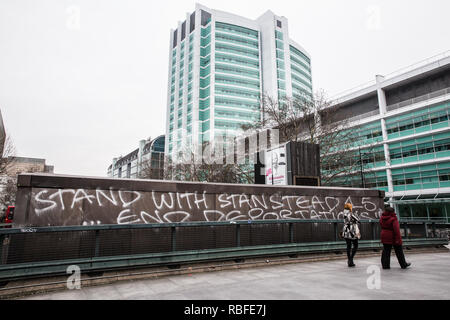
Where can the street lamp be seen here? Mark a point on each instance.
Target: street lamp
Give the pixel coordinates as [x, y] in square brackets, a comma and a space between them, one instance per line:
[363, 182]
[271, 165]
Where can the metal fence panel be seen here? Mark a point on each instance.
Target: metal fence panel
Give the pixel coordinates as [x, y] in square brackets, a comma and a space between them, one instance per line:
[205, 237]
[34, 247]
[314, 232]
[134, 241]
[264, 234]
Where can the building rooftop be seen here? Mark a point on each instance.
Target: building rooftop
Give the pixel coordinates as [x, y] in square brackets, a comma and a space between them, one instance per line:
[421, 68]
[149, 144]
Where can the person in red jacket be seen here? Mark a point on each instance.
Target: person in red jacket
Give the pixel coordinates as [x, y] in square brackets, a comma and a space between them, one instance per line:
[390, 236]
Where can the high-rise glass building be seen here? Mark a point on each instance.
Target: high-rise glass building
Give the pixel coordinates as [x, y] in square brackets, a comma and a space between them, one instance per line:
[220, 65]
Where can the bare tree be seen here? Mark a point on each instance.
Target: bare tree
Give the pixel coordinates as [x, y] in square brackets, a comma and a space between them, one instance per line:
[212, 168]
[8, 178]
[284, 115]
[153, 167]
[8, 193]
[7, 156]
[313, 119]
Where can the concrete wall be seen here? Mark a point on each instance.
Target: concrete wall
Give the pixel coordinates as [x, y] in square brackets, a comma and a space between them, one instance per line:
[52, 200]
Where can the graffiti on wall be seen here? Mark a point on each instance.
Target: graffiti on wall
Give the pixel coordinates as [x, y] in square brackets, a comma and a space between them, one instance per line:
[88, 206]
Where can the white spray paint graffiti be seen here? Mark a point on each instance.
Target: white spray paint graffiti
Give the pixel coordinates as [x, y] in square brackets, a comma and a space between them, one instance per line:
[162, 207]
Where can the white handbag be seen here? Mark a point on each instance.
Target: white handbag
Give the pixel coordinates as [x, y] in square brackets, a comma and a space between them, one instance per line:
[357, 232]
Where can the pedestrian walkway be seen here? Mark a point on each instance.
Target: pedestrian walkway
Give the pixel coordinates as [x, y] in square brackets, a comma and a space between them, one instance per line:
[426, 279]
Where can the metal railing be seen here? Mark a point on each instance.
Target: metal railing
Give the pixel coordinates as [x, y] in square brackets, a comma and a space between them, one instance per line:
[362, 116]
[43, 251]
[338, 97]
[424, 97]
[418, 64]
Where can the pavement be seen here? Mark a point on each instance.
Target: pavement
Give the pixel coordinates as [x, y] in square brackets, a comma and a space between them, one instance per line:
[324, 280]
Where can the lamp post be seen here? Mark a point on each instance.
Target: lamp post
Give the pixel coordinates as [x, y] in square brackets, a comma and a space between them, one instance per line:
[361, 168]
[272, 167]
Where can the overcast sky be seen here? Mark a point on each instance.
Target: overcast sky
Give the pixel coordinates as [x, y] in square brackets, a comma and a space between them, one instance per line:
[82, 81]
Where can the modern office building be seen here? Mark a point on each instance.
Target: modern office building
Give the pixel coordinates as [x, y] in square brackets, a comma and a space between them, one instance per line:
[17, 165]
[402, 121]
[220, 65]
[12, 166]
[147, 161]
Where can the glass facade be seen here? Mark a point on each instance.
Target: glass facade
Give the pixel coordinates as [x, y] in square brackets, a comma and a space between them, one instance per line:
[300, 73]
[237, 77]
[136, 164]
[418, 121]
[216, 74]
[205, 83]
[418, 146]
[424, 148]
[172, 98]
[410, 152]
[418, 177]
[281, 70]
[431, 211]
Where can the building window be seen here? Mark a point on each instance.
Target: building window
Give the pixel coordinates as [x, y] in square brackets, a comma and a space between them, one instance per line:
[205, 18]
[192, 22]
[278, 23]
[183, 31]
[175, 38]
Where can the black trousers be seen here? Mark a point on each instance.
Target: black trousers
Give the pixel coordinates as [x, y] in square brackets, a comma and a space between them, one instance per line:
[352, 247]
[386, 256]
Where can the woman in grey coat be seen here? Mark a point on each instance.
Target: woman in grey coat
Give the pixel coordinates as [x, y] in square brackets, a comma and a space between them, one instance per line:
[351, 233]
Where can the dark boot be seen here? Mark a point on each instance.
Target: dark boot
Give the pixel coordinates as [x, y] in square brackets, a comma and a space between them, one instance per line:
[401, 257]
[351, 259]
[350, 262]
[406, 265]
[355, 248]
